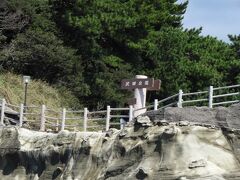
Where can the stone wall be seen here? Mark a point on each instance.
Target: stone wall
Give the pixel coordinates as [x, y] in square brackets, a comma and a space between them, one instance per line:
[228, 117]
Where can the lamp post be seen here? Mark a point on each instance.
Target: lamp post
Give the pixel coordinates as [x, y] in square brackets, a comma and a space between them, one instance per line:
[26, 81]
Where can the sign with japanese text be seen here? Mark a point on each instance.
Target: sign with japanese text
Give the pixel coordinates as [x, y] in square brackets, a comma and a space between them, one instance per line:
[137, 83]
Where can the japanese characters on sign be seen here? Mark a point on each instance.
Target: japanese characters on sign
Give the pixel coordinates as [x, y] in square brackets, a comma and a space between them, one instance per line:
[137, 83]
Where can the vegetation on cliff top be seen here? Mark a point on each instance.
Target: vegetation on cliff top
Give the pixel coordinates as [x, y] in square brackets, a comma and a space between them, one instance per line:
[39, 92]
[89, 46]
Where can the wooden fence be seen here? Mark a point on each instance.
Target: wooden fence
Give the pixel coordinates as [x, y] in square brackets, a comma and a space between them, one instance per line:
[43, 118]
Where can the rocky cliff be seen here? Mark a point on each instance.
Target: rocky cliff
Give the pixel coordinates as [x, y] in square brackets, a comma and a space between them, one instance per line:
[159, 147]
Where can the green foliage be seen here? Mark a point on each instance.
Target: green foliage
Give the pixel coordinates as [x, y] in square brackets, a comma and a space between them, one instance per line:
[235, 45]
[146, 35]
[89, 46]
[40, 52]
[184, 59]
[104, 31]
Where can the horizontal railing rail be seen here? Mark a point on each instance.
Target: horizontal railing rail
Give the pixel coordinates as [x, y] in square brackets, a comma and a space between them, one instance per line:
[225, 95]
[226, 102]
[42, 117]
[168, 98]
[168, 105]
[227, 87]
[195, 100]
[195, 93]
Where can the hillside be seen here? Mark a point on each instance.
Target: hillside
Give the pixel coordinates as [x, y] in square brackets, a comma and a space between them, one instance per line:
[39, 92]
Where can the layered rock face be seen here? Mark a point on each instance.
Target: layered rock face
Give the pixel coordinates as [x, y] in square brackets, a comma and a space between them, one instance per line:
[145, 150]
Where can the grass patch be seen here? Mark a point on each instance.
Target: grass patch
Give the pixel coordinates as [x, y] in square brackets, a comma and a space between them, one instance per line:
[39, 92]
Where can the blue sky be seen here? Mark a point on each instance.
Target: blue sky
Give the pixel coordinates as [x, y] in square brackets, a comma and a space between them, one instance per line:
[218, 18]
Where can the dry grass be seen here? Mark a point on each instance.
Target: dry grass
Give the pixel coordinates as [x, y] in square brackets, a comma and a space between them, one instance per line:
[12, 89]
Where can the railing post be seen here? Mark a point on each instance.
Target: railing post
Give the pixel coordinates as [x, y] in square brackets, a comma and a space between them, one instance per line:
[85, 118]
[57, 124]
[42, 126]
[210, 97]
[180, 100]
[122, 123]
[63, 119]
[155, 104]
[108, 118]
[130, 113]
[2, 112]
[21, 115]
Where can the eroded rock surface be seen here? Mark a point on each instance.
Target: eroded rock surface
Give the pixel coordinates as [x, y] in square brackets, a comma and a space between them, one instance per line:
[221, 116]
[153, 150]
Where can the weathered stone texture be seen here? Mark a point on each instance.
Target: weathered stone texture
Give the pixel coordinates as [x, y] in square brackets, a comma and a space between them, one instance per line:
[219, 116]
[159, 149]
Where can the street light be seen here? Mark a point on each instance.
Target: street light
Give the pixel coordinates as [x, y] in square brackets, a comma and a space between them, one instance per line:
[26, 81]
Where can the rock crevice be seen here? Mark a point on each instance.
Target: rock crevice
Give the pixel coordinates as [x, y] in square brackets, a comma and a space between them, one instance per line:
[150, 149]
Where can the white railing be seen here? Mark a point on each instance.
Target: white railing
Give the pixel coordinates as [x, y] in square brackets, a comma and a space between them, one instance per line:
[46, 119]
[43, 118]
[211, 98]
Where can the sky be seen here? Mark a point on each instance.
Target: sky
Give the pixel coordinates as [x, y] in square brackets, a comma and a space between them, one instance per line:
[218, 18]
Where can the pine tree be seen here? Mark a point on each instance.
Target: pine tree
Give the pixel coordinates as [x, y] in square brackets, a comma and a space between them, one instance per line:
[107, 34]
